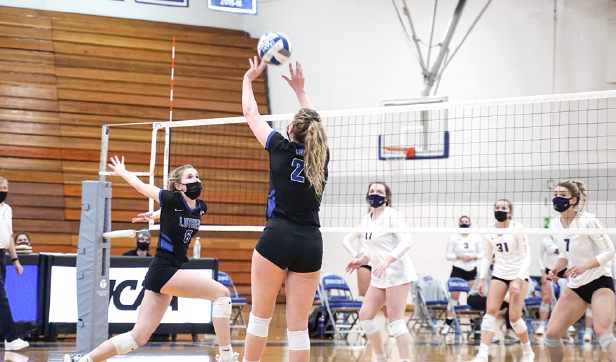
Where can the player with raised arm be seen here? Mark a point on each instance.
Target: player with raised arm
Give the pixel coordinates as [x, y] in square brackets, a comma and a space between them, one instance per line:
[464, 249]
[590, 280]
[510, 274]
[392, 272]
[290, 249]
[181, 218]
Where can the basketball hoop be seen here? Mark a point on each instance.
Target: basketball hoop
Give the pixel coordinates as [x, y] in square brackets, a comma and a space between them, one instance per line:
[408, 151]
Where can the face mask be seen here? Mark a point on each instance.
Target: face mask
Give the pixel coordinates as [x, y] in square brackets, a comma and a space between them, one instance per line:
[3, 195]
[464, 226]
[561, 204]
[143, 246]
[500, 215]
[193, 190]
[376, 200]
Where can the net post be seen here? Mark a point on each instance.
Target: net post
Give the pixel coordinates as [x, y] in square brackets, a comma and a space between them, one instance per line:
[152, 168]
[104, 149]
[166, 159]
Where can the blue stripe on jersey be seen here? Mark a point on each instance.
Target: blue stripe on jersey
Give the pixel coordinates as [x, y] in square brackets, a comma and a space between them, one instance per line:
[160, 201]
[271, 204]
[165, 243]
[268, 138]
[188, 207]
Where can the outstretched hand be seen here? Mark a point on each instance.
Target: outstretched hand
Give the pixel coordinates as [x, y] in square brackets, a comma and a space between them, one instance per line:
[117, 166]
[255, 70]
[297, 78]
[142, 217]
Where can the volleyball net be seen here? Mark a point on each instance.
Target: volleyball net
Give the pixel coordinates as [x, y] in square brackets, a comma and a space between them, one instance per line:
[441, 161]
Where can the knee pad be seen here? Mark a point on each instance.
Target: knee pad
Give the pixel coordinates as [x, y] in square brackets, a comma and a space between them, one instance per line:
[222, 308]
[545, 307]
[551, 342]
[124, 343]
[398, 328]
[369, 326]
[606, 340]
[298, 340]
[488, 323]
[589, 313]
[258, 326]
[519, 326]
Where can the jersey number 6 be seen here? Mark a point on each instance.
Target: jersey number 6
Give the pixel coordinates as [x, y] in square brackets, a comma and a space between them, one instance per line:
[187, 236]
[299, 167]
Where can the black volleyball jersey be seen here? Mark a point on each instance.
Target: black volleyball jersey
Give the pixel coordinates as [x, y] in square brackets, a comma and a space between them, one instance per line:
[178, 224]
[290, 195]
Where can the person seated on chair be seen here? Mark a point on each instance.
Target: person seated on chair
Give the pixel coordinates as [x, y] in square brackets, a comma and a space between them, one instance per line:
[479, 302]
[143, 244]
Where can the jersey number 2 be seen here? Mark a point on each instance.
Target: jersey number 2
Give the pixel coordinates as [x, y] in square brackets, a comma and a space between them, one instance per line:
[187, 236]
[299, 167]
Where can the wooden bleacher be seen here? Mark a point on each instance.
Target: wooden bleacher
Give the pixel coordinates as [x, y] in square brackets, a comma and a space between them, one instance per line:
[62, 76]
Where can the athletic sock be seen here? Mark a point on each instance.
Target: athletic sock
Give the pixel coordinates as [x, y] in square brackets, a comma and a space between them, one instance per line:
[85, 358]
[526, 347]
[449, 321]
[226, 353]
[381, 358]
[484, 350]
[405, 360]
[245, 360]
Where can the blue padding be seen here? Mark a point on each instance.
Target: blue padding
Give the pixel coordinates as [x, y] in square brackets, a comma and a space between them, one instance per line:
[339, 297]
[437, 302]
[239, 301]
[334, 282]
[458, 285]
[530, 302]
[340, 304]
[463, 307]
[538, 287]
[223, 278]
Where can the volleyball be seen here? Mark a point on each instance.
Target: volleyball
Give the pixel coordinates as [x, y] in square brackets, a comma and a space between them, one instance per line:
[274, 48]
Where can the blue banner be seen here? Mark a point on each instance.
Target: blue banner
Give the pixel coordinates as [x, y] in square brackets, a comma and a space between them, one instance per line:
[234, 6]
[22, 292]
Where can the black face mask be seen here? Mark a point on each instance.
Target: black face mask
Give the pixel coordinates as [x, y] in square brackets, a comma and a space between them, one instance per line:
[143, 246]
[3, 195]
[193, 190]
[465, 226]
[500, 215]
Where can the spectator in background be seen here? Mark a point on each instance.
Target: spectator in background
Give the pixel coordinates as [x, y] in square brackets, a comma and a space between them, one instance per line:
[7, 327]
[22, 243]
[143, 244]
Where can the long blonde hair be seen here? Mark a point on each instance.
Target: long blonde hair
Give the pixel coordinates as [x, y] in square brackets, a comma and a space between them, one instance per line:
[307, 128]
[576, 189]
[175, 177]
[3, 180]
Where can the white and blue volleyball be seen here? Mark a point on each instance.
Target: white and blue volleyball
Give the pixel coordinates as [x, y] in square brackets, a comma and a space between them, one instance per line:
[274, 48]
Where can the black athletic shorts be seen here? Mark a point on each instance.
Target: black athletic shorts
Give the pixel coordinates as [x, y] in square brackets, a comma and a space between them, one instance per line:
[587, 290]
[298, 248]
[159, 273]
[367, 267]
[461, 273]
[505, 280]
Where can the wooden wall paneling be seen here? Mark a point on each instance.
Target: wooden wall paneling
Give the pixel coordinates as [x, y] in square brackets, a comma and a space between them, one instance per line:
[20, 55]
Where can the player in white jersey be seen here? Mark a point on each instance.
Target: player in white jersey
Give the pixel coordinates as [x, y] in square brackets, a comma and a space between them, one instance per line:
[464, 250]
[590, 280]
[548, 254]
[510, 274]
[392, 271]
[363, 272]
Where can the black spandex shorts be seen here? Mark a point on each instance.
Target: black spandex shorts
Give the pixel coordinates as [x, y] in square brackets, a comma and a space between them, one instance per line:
[367, 267]
[461, 273]
[298, 248]
[586, 291]
[159, 273]
[506, 281]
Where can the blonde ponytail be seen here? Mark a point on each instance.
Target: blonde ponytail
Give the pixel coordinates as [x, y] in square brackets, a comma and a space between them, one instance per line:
[307, 128]
[576, 189]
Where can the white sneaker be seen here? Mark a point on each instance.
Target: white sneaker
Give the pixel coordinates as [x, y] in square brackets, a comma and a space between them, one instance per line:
[479, 358]
[15, 345]
[445, 329]
[15, 357]
[71, 358]
[235, 357]
[388, 329]
[571, 332]
[528, 356]
[588, 335]
[540, 331]
[511, 337]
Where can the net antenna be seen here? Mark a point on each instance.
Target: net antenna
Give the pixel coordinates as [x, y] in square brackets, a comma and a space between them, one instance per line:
[432, 71]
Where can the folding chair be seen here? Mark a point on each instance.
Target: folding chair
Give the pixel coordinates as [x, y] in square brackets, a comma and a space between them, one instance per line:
[532, 303]
[430, 304]
[342, 308]
[237, 318]
[460, 285]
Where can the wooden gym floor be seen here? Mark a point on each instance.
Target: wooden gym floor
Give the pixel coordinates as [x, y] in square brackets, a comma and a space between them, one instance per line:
[424, 348]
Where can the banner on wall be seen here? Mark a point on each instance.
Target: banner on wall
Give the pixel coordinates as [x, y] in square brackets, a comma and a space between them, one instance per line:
[177, 3]
[234, 6]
